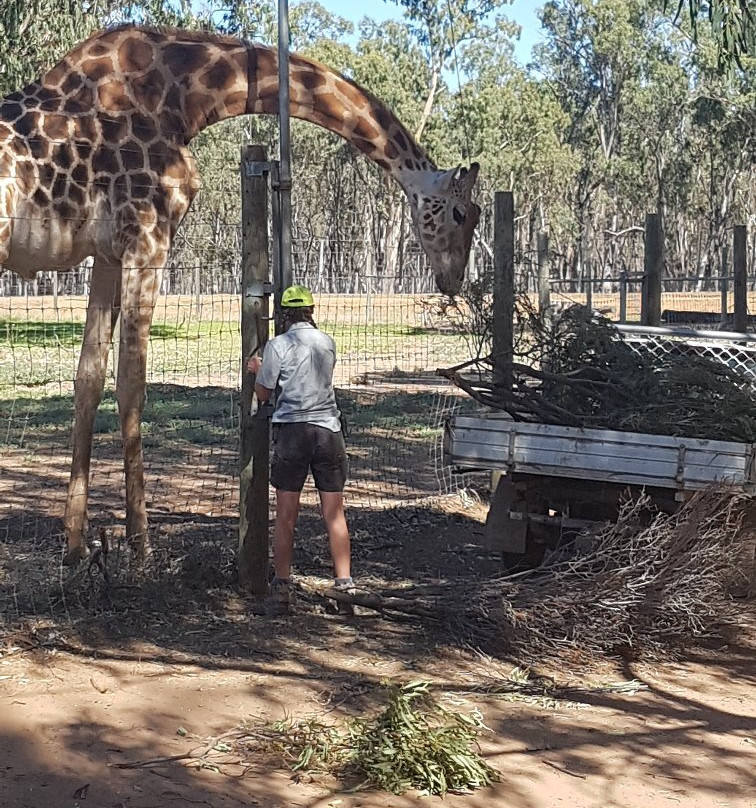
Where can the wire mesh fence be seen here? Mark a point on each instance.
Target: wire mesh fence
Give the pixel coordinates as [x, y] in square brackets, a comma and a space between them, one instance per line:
[391, 335]
[735, 351]
[707, 302]
[389, 346]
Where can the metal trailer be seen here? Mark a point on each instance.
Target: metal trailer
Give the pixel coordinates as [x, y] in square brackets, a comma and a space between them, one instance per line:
[551, 482]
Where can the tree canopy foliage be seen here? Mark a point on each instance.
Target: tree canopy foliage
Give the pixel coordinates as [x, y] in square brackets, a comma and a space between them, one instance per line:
[624, 109]
[733, 24]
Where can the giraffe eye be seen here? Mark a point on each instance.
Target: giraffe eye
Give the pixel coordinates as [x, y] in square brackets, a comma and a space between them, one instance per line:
[459, 216]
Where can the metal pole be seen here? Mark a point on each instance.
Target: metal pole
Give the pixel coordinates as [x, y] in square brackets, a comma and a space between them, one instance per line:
[623, 297]
[284, 173]
[544, 276]
[588, 282]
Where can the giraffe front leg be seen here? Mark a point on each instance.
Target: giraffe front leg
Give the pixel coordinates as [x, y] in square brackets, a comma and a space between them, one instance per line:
[102, 313]
[140, 286]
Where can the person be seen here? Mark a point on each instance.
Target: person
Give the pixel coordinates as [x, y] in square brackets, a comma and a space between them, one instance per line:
[307, 437]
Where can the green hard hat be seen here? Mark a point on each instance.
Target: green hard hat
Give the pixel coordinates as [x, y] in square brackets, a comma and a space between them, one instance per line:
[297, 297]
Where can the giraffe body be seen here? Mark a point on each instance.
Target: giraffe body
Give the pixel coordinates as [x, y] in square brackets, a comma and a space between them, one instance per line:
[94, 162]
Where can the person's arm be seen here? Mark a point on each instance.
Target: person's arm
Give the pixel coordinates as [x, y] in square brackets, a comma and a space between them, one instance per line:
[263, 393]
[266, 371]
[254, 366]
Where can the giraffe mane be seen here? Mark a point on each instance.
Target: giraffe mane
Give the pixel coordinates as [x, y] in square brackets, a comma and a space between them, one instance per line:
[380, 108]
[185, 34]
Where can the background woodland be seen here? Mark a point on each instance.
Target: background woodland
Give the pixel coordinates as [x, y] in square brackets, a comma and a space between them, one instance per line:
[619, 113]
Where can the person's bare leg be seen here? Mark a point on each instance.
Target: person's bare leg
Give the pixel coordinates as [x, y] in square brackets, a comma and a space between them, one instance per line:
[287, 511]
[332, 508]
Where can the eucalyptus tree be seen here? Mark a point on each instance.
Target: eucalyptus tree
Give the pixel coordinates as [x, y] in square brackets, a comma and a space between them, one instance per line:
[35, 33]
[590, 57]
[722, 150]
[512, 124]
[732, 25]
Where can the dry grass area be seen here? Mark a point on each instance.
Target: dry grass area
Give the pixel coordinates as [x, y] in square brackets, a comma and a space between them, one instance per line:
[409, 310]
[344, 309]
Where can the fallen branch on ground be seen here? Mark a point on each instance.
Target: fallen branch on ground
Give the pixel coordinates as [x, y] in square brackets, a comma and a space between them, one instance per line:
[652, 582]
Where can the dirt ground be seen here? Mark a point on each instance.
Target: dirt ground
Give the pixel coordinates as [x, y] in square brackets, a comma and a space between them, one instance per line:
[124, 675]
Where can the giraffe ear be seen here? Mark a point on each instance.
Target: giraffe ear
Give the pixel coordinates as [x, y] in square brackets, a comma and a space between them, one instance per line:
[467, 176]
[445, 179]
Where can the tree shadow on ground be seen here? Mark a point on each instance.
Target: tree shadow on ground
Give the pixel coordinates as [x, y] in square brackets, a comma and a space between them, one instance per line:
[186, 614]
[193, 430]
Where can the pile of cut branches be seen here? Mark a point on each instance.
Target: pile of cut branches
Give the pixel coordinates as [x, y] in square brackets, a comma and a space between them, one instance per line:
[413, 743]
[650, 583]
[577, 370]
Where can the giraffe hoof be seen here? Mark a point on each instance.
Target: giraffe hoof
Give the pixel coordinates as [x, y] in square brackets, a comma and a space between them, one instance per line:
[75, 555]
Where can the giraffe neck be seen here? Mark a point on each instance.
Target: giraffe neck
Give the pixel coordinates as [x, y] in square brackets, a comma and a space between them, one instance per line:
[182, 82]
[321, 96]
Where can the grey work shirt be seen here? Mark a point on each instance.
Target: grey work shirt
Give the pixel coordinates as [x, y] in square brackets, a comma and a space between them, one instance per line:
[300, 362]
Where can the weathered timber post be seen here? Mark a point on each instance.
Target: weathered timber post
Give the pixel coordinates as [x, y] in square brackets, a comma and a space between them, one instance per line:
[623, 297]
[254, 426]
[653, 263]
[503, 292]
[723, 285]
[544, 275]
[740, 278]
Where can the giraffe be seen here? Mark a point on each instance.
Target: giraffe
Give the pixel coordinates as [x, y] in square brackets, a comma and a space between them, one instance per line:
[94, 162]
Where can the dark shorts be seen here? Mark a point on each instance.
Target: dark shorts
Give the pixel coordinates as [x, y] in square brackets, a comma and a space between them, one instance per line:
[301, 448]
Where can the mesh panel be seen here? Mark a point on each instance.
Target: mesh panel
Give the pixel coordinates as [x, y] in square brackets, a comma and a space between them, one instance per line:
[733, 350]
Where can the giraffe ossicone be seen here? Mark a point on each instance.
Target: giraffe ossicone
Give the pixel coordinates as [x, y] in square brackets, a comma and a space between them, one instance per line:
[94, 163]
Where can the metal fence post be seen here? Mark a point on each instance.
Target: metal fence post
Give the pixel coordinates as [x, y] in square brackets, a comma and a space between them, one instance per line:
[544, 275]
[623, 296]
[723, 286]
[588, 283]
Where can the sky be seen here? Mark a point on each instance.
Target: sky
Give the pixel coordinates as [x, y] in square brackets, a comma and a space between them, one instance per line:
[523, 12]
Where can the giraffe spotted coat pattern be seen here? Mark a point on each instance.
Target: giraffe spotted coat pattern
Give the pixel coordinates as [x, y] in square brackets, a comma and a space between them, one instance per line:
[94, 161]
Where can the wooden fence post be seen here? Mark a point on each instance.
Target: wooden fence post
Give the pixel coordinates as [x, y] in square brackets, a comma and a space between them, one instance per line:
[740, 279]
[503, 291]
[623, 297]
[544, 275]
[254, 426]
[653, 262]
[723, 286]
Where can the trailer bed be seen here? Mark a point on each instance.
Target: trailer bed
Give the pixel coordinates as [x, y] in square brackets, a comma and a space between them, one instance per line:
[496, 443]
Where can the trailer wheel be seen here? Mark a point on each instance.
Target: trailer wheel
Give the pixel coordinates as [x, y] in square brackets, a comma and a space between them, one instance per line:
[512, 538]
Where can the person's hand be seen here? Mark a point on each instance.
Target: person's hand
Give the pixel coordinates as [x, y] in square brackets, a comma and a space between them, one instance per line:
[254, 363]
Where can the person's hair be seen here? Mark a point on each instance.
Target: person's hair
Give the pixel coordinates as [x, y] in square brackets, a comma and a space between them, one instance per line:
[298, 314]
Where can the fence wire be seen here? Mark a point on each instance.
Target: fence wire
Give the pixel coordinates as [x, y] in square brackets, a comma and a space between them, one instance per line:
[390, 340]
[388, 349]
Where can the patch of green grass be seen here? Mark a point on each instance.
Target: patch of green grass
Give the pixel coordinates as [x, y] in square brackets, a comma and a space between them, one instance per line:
[36, 355]
[203, 416]
[192, 371]
[38, 333]
[406, 410]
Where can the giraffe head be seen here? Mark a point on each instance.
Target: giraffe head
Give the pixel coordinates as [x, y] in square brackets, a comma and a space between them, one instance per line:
[445, 218]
